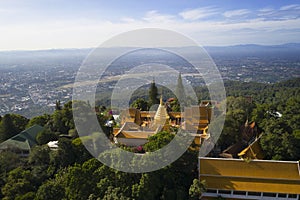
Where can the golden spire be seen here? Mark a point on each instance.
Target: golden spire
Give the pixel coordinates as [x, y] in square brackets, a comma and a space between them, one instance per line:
[161, 116]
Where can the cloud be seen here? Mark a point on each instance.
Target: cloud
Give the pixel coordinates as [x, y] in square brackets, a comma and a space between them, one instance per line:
[283, 13]
[290, 7]
[88, 32]
[199, 13]
[80, 34]
[234, 13]
[265, 10]
[7, 11]
[155, 16]
[127, 19]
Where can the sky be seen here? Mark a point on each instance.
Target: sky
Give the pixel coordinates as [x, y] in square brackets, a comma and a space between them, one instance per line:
[54, 24]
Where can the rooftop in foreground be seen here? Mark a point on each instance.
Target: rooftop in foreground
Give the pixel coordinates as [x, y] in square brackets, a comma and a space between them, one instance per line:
[259, 177]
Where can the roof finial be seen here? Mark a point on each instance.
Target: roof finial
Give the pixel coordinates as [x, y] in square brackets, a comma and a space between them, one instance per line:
[161, 100]
[246, 123]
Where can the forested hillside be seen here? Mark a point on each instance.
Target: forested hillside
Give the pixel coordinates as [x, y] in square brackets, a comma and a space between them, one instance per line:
[276, 110]
[70, 172]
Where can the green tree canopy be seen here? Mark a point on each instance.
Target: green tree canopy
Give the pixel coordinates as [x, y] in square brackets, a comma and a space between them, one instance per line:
[196, 189]
[7, 128]
[158, 141]
[140, 104]
[46, 136]
[19, 182]
[39, 120]
[51, 190]
[19, 121]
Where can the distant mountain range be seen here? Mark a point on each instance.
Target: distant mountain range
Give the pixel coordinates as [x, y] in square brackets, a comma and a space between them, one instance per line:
[32, 58]
[74, 51]
[287, 45]
[254, 48]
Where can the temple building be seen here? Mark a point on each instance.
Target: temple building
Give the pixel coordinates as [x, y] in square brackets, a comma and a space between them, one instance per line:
[131, 134]
[227, 178]
[23, 142]
[137, 126]
[248, 147]
[249, 177]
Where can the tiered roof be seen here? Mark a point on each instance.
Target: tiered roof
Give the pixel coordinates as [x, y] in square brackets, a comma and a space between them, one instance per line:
[24, 141]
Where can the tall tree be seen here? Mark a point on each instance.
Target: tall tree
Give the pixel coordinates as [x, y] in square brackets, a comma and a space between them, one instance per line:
[7, 128]
[153, 94]
[58, 105]
[180, 93]
[19, 121]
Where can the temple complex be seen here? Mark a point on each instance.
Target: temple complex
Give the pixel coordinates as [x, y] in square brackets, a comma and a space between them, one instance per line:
[137, 126]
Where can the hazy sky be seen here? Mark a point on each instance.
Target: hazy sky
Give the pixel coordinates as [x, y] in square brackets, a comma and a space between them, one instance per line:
[46, 24]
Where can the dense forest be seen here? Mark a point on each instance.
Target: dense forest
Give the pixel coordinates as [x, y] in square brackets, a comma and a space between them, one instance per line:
[70, 172]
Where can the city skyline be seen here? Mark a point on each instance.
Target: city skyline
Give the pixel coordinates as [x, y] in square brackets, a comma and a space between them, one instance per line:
[51, 24]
